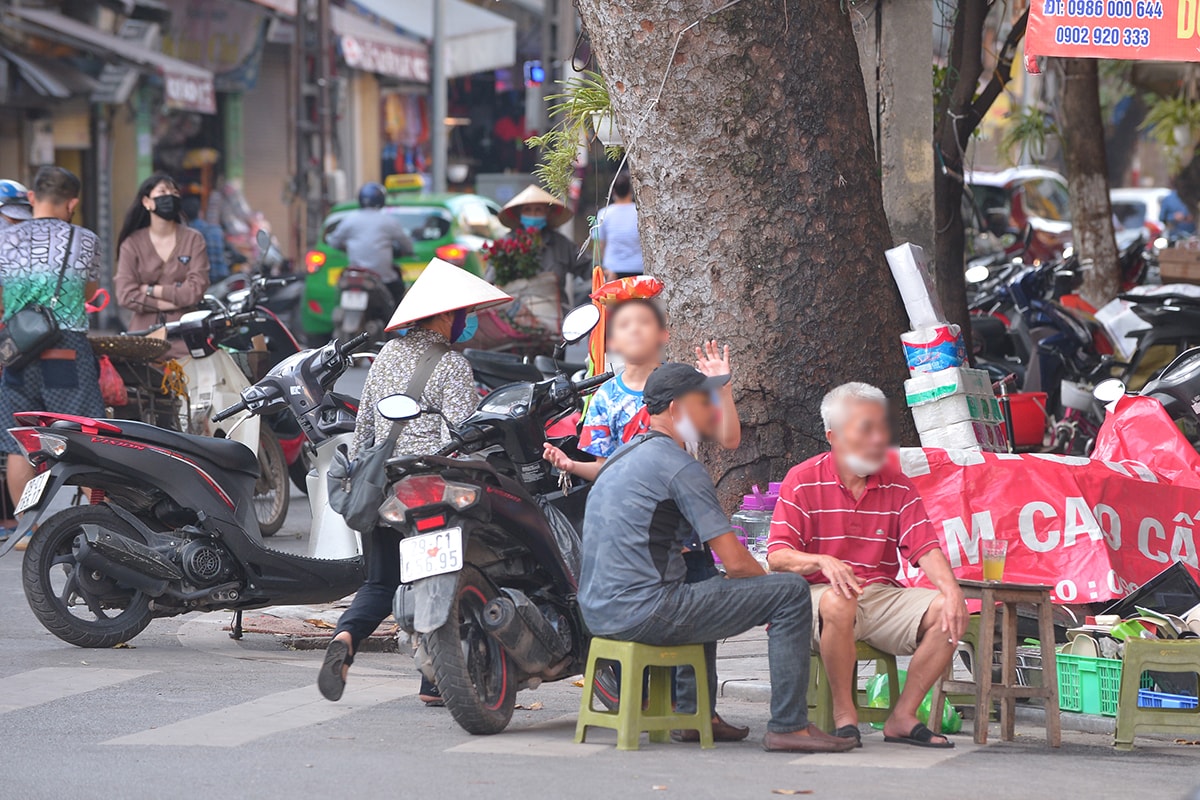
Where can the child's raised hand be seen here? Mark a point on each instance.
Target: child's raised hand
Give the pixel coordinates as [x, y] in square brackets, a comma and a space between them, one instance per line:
[560, 460]
[712, 360]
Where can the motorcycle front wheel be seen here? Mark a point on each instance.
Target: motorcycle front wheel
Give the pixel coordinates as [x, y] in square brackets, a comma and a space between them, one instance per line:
[82, 607]
[272, 491]
[471, 669]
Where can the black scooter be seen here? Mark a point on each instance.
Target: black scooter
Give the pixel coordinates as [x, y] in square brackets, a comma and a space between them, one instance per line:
[171, 526]
[490, 554]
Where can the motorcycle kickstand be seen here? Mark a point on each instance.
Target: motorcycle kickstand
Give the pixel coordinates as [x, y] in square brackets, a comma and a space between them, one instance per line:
[235, 629]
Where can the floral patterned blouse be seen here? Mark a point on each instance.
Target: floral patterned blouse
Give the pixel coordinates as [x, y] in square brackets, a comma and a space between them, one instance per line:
[451, 389]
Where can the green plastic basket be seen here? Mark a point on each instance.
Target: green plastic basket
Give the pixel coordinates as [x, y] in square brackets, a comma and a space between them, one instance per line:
[1091, 685]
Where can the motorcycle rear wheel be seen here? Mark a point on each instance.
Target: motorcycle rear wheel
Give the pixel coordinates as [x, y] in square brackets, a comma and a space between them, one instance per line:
[94, 593]
[471, 669]
[272, 492]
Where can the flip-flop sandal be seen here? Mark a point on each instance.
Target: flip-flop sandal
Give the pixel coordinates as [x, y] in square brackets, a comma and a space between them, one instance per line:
[329, 679]
[920, 736]
[849, 732]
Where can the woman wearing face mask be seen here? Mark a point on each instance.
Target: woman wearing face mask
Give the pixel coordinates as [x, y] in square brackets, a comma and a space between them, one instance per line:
[543, 212]
[435, 313]
[162, 265]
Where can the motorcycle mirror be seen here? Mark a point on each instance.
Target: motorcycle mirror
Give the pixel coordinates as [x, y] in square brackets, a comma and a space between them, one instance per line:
[978, 274]
[580, 322]
[398, 407]
[1109, 390]
[263, 239]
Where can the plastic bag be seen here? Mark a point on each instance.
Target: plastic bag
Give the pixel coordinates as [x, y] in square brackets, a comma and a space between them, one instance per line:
[112, 387]
[877, 697]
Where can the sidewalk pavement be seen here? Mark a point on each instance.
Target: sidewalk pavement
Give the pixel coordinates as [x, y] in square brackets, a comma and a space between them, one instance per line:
[742, 667]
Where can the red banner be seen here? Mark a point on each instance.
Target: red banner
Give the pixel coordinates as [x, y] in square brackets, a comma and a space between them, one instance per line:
[1147, 30]
[1092, 529]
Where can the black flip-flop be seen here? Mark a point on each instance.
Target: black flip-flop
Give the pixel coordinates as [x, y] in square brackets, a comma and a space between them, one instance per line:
[329, 679]
[849, 732]
[920, 736]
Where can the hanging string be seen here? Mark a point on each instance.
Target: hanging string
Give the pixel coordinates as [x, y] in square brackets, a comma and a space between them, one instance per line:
[662, 85]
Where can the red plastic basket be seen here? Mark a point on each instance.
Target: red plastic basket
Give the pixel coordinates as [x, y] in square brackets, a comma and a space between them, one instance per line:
[1028, 417]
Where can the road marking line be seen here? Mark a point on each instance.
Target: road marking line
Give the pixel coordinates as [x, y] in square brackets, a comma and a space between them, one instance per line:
[274, 713]
[551, 738]
[881, 755]
[48, 684]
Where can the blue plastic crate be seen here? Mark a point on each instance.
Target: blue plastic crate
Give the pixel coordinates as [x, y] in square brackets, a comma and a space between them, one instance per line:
[1149, 699]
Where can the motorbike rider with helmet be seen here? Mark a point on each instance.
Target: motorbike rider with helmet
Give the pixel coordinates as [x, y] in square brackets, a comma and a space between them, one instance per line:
[14, 203]
[372, 239]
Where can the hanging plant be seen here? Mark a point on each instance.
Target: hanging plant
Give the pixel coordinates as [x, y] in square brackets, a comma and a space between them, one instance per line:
[1173, 122]
[572, 110]
[1028, 132]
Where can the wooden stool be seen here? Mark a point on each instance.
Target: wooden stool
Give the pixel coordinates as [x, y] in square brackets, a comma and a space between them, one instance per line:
[1009, 595]
[1163, 656]
[629, 720]
[820, 700]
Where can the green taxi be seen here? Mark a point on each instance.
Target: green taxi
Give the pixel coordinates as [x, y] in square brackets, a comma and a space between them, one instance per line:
[452, 227]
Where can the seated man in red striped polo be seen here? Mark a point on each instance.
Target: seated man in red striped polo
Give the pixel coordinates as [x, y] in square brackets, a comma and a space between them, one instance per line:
[843, 520]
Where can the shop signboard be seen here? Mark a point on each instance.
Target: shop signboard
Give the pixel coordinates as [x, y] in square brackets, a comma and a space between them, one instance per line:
[384, 58]
[1149, 30]
[188, 92]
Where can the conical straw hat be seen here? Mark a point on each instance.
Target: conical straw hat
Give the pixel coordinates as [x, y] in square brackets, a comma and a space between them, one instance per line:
[444, 287]
[535, 195]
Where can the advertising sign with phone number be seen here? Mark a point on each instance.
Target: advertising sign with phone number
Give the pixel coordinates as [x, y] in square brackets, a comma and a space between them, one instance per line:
[1153, 30]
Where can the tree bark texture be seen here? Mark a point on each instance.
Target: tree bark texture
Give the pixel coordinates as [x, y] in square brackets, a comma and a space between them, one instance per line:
[960, 109]
[1087, 180]
[759, 204]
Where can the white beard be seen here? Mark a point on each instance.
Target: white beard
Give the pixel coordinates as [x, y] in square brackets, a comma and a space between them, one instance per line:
[860, 466]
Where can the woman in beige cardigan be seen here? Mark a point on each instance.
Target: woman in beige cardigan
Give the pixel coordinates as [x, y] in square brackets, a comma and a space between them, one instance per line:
[162, 265]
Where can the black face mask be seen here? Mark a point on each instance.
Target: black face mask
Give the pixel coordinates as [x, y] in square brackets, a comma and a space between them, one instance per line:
[167, 207]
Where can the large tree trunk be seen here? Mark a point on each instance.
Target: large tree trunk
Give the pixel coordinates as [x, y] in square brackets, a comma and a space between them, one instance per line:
[960, 109]
[759, 204]
[1087, 180]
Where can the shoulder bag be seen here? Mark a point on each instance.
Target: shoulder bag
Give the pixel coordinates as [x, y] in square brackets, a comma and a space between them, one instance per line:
[33, 328]
[356, 488]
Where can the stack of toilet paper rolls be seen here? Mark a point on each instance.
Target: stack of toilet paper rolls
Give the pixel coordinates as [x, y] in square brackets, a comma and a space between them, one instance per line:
[953, 406]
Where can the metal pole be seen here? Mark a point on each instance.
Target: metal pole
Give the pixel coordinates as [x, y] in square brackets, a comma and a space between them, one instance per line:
[437, 125]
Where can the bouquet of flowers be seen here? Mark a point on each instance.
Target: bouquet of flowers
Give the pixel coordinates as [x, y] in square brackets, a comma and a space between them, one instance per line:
[519, 256]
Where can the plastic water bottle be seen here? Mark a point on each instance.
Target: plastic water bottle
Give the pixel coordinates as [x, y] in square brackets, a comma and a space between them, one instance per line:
[753, 522]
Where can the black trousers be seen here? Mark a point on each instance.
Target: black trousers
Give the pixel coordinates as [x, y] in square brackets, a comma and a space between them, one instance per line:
[373, 602]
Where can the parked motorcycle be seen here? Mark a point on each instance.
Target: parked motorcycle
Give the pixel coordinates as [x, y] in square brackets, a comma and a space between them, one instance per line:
[365, 305]
[489, 558]
[494, 369]
[1177, 387]
[170, 526]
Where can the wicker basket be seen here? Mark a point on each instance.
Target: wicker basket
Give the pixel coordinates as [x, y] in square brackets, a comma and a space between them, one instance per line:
[129, 348]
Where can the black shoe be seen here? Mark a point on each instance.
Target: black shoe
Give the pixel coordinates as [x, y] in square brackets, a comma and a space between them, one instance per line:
[429, 694]
[329, 679]
[849, 732]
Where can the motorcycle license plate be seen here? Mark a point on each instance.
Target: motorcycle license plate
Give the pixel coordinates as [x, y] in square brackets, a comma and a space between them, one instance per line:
[431, 554]
[33, 492]
[355, 301]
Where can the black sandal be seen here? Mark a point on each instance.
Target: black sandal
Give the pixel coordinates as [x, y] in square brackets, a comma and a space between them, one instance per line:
[920, 736]
[330, 680]
[849, 732]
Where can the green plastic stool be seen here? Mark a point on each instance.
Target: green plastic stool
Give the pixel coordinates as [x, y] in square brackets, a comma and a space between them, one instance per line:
[820, 699]
[1164, 656]
[629, 720]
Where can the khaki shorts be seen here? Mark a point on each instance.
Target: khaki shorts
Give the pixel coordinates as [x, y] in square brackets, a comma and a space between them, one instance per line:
[888, 617]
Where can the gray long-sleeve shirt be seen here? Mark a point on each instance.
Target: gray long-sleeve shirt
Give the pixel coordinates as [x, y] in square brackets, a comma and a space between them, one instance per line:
[367, 235]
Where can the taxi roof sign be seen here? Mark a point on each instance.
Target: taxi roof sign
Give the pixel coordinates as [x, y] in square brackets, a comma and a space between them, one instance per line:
[404, 183]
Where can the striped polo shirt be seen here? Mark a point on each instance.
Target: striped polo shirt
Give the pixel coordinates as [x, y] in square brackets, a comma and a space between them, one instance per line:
[816, 513]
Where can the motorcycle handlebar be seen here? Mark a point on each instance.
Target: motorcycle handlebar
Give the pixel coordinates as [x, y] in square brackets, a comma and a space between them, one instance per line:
[225, 414]
[354, 343]
[589, 384]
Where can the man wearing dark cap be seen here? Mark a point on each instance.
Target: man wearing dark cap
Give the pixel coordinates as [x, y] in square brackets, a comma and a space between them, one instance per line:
[652, 498]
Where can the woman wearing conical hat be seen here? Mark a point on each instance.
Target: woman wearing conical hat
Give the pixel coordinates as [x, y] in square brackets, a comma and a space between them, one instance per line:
[538, 209]
[435, 312]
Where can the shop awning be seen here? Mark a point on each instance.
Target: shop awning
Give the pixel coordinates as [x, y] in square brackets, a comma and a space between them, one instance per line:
[477, 40]
[50, 77]
[370, 48]
[188, 87]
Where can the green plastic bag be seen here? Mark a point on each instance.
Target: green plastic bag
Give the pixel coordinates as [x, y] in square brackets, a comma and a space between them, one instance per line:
[877, 697]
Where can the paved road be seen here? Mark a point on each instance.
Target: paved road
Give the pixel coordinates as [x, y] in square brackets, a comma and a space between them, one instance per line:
[185, 712]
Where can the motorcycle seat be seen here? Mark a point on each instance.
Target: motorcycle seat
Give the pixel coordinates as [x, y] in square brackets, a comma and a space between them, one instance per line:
[227, 453]
[505, 366]
[548, 366]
